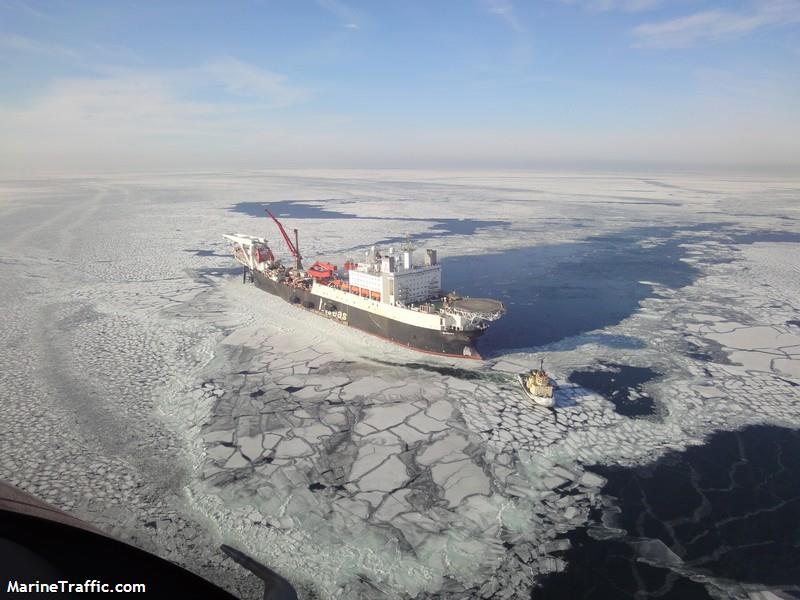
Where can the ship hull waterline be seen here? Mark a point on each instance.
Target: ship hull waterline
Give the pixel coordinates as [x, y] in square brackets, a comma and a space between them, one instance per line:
[457, 344]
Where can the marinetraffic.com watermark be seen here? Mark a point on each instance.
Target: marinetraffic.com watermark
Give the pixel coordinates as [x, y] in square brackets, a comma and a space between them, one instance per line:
[66, 587]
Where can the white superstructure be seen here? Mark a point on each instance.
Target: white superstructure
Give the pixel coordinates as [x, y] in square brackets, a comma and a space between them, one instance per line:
[396, 278]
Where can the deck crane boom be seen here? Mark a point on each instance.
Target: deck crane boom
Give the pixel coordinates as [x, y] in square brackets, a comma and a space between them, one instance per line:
[293, 248]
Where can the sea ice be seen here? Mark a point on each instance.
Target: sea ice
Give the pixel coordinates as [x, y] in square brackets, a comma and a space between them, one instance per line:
[170, 394]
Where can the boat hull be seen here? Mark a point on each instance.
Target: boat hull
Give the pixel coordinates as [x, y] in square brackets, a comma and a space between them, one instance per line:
[459, 344]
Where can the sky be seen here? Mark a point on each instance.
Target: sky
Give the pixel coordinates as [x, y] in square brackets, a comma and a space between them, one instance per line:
[91, 86]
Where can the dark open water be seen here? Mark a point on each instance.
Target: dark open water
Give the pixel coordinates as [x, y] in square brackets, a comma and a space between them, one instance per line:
[727, 510]
[556, 292]
[292, 209]
[621, 384]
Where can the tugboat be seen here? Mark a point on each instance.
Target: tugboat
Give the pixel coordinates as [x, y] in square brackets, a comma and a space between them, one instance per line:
[538, 386]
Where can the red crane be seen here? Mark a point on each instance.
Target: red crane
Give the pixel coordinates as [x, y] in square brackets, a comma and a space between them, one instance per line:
[292, 247]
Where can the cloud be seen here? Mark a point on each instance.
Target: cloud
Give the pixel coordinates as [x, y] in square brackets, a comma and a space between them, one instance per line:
[83, 55]
[347, 15]
[624, 5]
[226, 113]
[756, 89]
[520, 48]
[86, 109]
[25, 7]
[249, 81]
[504, 10]
[142, 120]
[28, 45]
[715, 25]
[146, 116]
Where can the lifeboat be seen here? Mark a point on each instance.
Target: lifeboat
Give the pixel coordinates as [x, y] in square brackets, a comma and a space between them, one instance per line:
[321, 270]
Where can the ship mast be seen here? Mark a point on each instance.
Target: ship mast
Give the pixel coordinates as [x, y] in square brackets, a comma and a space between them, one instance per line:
[297, 257]
[293, 248]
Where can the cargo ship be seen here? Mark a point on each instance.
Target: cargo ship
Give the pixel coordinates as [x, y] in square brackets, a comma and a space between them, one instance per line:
[388, 294]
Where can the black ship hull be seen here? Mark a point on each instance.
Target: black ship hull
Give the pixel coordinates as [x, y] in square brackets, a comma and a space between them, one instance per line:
[459, 343]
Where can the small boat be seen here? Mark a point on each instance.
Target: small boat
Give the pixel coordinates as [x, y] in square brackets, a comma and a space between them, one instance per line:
[538, 386]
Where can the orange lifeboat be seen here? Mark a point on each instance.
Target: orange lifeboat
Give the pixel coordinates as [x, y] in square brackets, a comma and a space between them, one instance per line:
[321, 270]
